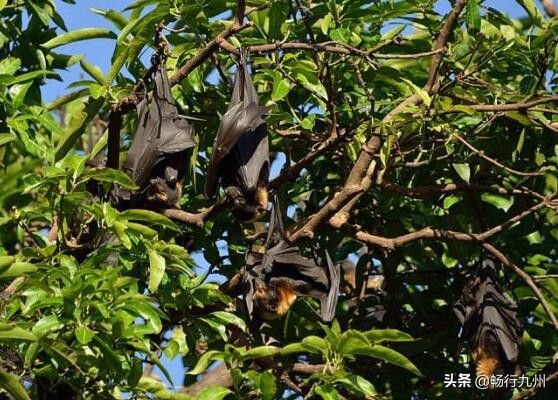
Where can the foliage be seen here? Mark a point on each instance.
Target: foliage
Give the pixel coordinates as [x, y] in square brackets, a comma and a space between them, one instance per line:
[83, 314]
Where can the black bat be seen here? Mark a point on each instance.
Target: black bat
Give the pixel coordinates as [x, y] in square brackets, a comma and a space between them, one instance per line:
[240, 158]
[489, 322]
[157, 159]
[273, 279]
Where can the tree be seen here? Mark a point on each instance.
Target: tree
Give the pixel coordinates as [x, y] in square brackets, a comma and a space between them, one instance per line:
[406, 141]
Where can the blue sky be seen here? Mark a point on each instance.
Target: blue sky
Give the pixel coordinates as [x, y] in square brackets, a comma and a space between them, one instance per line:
[99, 52]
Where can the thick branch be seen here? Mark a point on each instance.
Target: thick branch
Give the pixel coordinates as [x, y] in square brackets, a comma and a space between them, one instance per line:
[197, 219]
[219, 376]
[550, 7]
[360, 177]
[432, 233]
[441, 42]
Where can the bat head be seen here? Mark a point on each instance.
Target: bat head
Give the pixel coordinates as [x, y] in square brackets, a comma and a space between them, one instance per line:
[272, 299]
[248, 206]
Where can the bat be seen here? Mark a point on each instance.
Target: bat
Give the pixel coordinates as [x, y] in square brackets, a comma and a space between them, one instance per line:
[489, 322]
[157, 159]
[273, 279]
[240, 158]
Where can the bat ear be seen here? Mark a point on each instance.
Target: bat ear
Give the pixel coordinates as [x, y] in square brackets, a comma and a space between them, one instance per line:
[276, 231]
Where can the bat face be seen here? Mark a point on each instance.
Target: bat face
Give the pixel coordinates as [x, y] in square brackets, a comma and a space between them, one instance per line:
[489, 322]
[277, 276]
[157, 159]
[240, 158]
[273, 300]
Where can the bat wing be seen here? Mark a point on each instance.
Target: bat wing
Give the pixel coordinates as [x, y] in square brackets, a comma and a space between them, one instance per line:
[307, 277]
[276, 231]
[498, 317]
[161, 131]
[487, 314]
[142, 155]
[242, 134]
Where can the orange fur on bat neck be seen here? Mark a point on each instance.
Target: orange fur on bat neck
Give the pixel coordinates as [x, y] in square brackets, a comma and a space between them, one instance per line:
[287, 296]
[487, 363]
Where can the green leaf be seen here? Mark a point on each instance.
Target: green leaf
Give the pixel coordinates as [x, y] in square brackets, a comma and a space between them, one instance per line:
[314, 344]
[281, 88]
[390, 335]
[77, 35]
[389, 355]
[12, 80]
[213, 393]
[327, 392]
[204, 361]
[10, 382]
[10, 332]
[84, 334]
[3, 4]
[501, 202]
[18, 269]
[267, 385]
[340, 35]
[533, 11]
[326, 23]
[425, 97]
[113, 16]
[149, 216]
[463, 170]
[157, 265]
[82, 117]
[117, 64]
[473, 16]
[47, 325]
[292, 348]
[110, 175]
[261, 351]
[392, 33]
[100, 145]
[6, 138]
[358, 384]
[93, 71]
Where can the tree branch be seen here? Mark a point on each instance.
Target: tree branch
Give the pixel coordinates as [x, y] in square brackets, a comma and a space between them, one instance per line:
[493, 161]
[432, 233]
[197, 219]
[360, 177]
[435, 190]
[526, 278]
[550, 7]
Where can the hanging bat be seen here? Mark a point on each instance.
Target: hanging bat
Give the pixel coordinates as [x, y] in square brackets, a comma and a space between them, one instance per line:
[489, 322]
[273, 279]
[157, 158]
[240, 158]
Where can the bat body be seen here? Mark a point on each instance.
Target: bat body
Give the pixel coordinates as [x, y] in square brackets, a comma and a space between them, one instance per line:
[489, 322]
[274, 278]
[157, 159]
[240, 158]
